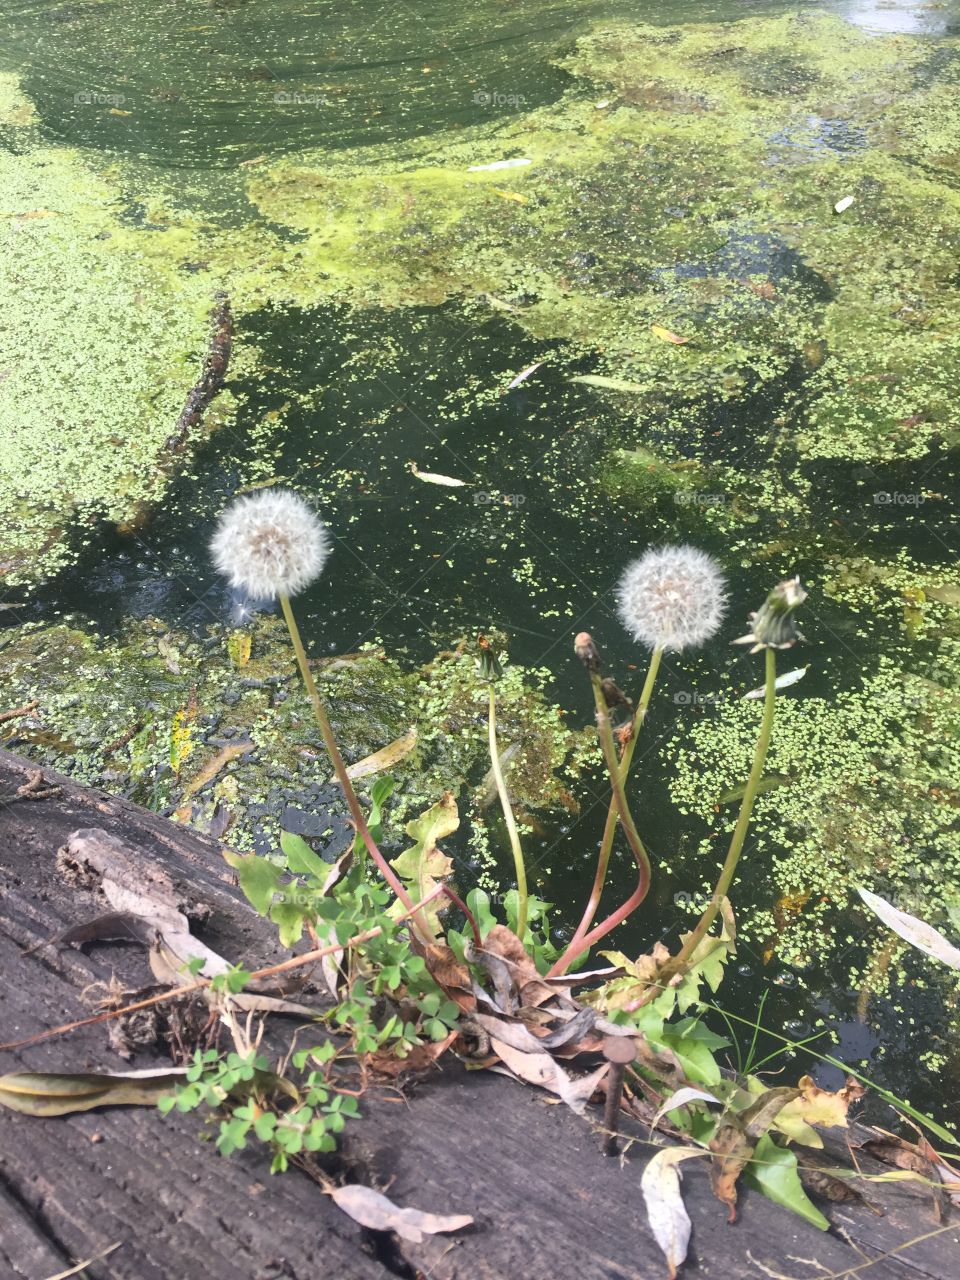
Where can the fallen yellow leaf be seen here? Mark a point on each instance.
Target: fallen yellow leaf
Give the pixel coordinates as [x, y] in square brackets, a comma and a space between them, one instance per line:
[667, 335]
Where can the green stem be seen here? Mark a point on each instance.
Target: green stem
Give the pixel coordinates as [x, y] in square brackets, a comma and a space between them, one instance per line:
[508, 818]
[339, 768]
[575, 948]
[743, 821]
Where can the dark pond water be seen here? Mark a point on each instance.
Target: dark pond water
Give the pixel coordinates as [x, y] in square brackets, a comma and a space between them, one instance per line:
[532, 549]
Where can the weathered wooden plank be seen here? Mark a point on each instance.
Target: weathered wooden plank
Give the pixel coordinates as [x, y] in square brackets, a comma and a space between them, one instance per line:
[26, 1250]
[546, 1203]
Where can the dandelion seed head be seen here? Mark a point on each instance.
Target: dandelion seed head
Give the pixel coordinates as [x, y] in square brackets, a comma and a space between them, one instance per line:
[270, 543]
[672, 598]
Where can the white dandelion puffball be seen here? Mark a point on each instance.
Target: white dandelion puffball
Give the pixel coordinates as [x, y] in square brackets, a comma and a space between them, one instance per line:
[672, 598]
[270, 544]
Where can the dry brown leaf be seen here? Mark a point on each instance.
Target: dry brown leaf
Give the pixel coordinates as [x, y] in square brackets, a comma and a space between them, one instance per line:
[731, 1151]
[208, 773]
[542, 1070]
[503, 944]
[898, 1152]
[448, 973]
[420, 1058]
[385, 758]
[818, 1106]
[510, 1032]
[373, 1210]
[826, 1185]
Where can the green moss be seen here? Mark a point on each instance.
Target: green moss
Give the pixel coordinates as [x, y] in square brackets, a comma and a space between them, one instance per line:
[147, 714]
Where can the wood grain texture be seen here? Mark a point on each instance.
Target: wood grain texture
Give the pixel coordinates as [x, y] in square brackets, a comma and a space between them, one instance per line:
[547, 1205]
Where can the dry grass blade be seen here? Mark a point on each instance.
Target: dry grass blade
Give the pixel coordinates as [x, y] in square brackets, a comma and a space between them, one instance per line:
[81, 1266]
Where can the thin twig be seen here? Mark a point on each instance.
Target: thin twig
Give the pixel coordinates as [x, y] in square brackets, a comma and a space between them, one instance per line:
[81, 1266]
[19, 711]
[202, 984]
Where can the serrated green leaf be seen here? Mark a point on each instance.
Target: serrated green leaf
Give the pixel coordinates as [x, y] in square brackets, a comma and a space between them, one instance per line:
[424, 865]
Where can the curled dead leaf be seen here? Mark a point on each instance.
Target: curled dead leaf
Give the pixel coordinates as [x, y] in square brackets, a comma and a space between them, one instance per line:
[731, 1151]
[669, 1220]
[372, 1209]
[41, 1093]
[816, 1106]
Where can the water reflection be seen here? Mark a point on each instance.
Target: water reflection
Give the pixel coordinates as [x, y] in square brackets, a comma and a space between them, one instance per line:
[898, 17]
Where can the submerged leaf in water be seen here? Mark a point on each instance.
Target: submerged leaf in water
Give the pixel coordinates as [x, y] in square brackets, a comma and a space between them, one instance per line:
[917, 932]
[782, 682]
[769, 783]
[385, 758]
[608, 384]
[433, 477]
[208, 773]
[499, 164]
[667, 335]
[522, 377]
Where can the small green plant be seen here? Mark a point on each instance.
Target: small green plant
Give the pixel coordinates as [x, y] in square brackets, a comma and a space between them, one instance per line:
[288, 1116]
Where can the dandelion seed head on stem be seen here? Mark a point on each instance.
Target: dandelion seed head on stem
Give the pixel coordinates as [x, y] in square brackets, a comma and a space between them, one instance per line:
[672, 598]
[270, 543]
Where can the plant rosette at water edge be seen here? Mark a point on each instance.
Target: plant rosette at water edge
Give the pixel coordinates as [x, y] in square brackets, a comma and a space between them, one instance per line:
[408, 971]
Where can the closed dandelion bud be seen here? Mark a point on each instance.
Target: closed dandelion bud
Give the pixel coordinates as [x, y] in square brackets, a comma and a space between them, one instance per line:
[773, 625]
[613, 696]
[490, 668]
[270, 544]
[672, 598]
[587, 651]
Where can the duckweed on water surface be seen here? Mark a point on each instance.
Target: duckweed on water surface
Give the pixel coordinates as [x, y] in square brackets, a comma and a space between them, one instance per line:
[699, 197]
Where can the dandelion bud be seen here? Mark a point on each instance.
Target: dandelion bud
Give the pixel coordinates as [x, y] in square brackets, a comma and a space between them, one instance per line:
[270, 543]
[672, 598]
[587, 651]
[490, 668]
[773, 625]
[612, 695]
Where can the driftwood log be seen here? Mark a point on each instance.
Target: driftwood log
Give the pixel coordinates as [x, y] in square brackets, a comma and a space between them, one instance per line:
[546, 1203]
